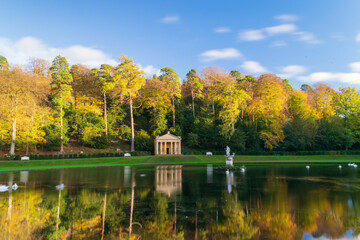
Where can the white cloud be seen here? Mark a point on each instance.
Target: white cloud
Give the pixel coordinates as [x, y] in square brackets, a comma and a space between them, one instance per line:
[278, 44]
[252, 35]
[281, 29]
[222, 30]
[287, 17]
[357, 39]
[355, 67]
[286, 28]
[352, 78]
[170, 19]
[292, 70]
[19, 52]
[217, 54]
[307, 37]
[253, 67]
[150, 70]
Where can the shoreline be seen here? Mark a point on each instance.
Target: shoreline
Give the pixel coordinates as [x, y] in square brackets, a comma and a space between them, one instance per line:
[8, 166]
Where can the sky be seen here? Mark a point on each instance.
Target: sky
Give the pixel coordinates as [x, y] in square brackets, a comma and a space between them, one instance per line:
[304, 41]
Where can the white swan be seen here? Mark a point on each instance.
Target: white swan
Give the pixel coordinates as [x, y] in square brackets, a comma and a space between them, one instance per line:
[340, 166]
[60, 187]
[243, 170]
[307, 167]
[15, 186]
[4, 188]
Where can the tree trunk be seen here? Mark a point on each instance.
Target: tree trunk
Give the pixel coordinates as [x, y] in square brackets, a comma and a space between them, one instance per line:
[132, 125]
[173, 110]
[103, 218]
[193, 104]
[196, 228]
[13, 136]
[61, 128]
[105, 114]
[213, 108]
[58, 214]
[27, 144]
[132, 203]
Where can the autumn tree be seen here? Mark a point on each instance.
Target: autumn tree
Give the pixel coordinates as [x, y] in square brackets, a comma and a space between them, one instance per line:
[269, 105]
[129, 79]
[21, 95]
[60, 90]
[299, 106]
[322, 97]
[39, 66]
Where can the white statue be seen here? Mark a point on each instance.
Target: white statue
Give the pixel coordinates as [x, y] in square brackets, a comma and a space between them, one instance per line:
[227, 149]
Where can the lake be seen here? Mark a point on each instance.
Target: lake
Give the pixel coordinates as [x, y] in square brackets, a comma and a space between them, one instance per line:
[182, 202]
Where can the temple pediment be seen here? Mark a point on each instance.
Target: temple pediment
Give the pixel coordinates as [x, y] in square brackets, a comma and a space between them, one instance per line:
[168, 136]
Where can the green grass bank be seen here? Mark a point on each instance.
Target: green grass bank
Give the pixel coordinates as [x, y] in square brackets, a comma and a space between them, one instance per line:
[181, 159]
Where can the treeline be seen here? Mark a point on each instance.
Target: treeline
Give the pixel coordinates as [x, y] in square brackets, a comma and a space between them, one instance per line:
[50, 104]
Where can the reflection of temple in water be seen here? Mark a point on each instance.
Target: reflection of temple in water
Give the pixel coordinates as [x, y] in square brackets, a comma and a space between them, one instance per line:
[168, 179]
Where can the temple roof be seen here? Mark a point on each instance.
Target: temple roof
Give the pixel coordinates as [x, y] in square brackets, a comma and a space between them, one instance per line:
[168, 136]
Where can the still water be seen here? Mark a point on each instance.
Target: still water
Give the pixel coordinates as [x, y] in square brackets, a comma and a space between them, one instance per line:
[182, 202]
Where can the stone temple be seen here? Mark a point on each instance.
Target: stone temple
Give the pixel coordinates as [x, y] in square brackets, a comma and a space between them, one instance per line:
[167, 144]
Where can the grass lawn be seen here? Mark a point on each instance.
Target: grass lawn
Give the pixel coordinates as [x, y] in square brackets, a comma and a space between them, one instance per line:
[180, 159]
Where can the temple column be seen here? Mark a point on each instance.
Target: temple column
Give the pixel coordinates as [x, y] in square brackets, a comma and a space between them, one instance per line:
[171, 149]
[179, 147]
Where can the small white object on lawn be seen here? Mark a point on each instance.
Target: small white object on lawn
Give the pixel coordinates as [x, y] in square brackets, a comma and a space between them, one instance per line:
[127, 155]
[25, 158]
[209, 154]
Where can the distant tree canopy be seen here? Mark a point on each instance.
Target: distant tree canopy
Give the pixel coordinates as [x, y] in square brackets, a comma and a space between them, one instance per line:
[52, 105]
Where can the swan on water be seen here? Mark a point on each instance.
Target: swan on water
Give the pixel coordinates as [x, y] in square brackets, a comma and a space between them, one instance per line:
[15, 186]
[60, 187]
[340, 166]
[307, 167]
[4, 188]
[243, 170]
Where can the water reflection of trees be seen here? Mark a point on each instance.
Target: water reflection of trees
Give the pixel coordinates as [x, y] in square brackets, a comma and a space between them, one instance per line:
[277, 210]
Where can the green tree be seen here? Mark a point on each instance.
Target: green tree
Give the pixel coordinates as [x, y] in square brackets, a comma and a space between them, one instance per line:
[4, 65]
[173, 87]
[157, 101]
[233, 102]
[194, 86]
[107, 83]
[60, 90]
[129, 79]
[347, 106]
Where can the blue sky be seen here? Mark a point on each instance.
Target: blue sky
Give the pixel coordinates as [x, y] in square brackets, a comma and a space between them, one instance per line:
[305, 41]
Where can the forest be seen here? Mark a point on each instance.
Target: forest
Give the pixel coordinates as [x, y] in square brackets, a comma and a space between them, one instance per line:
[51, 105]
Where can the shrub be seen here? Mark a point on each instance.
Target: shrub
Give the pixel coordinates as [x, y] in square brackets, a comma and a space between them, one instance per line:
[143, 141]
